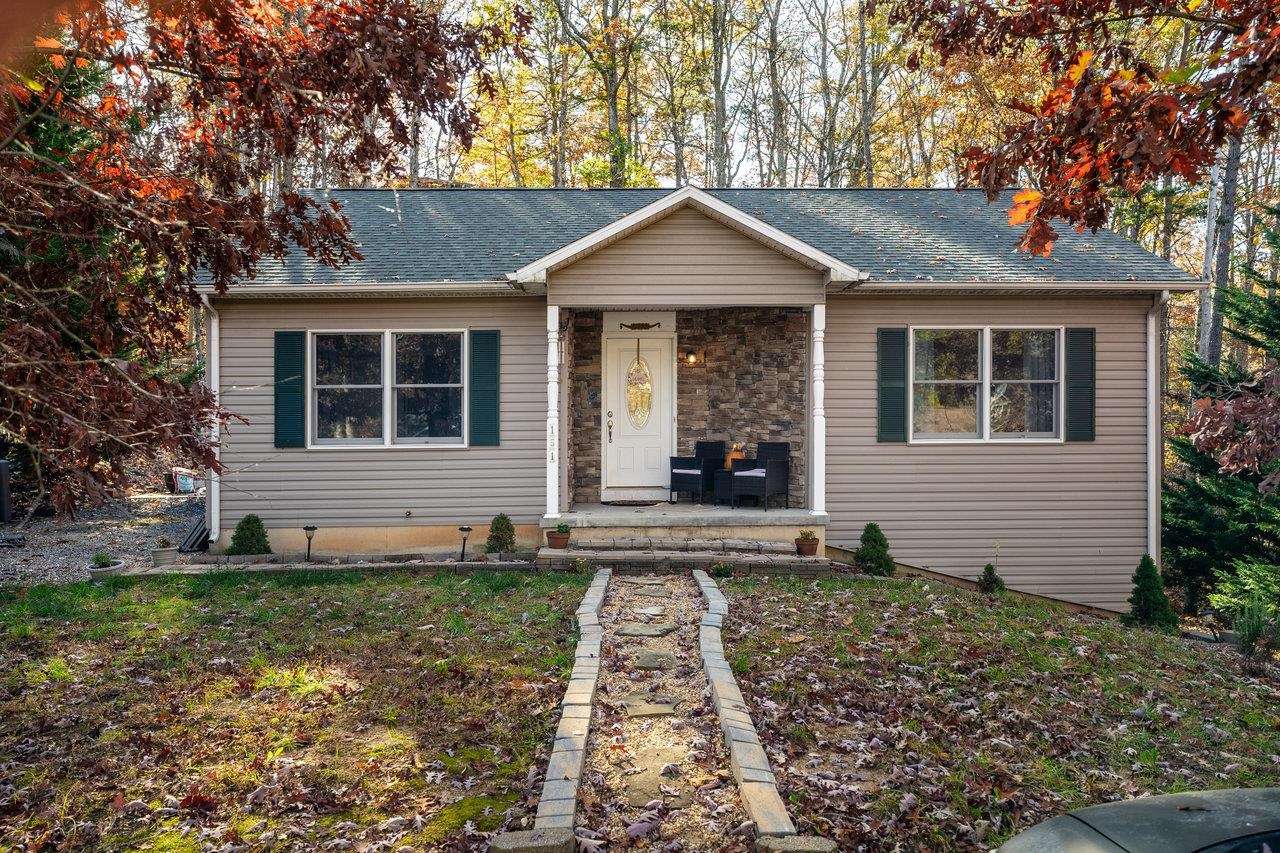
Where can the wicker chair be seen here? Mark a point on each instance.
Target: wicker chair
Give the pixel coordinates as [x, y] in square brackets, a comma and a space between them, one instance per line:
[767, 475]
[695, 474]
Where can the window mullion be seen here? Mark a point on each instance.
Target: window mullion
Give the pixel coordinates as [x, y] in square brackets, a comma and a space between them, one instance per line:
[984, 347]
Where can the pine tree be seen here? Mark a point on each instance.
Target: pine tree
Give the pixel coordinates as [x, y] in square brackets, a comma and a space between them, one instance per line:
[873, 555]
[1148, 605]
[502, 535]
[1213, 520]
[990, 582]
[250, 537]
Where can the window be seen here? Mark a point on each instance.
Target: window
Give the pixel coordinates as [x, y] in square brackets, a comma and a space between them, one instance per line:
[348, 388]
[428, 392]
[947, 385]
[385, 388]
[985, 384]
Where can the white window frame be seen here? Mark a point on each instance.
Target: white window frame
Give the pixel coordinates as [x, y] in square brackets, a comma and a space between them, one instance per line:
[389, 440]
[984, 385]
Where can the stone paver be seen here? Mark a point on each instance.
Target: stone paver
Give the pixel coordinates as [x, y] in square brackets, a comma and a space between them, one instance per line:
[644, 581]
[658, 610]
[648, 783]
[654, 592]
[650, 660]
[796, 844]
[555, 840]
[645, 629]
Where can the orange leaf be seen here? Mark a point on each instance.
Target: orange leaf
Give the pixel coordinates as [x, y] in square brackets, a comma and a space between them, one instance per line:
[46, 42]
[1025, 204]
[1077, 69]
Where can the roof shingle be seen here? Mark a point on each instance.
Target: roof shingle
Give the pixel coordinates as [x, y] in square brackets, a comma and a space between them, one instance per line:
[412, 236]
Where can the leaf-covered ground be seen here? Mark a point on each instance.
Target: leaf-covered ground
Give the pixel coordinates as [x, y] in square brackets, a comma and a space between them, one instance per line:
[909, 715]
[291, 712]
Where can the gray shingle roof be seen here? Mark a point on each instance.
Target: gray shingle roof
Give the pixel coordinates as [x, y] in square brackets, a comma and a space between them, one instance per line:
[409, 236]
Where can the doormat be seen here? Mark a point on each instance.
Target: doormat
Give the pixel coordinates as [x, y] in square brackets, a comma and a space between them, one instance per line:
[633, 503]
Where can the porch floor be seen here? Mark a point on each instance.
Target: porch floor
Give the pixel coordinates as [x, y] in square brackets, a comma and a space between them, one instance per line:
[683, 515]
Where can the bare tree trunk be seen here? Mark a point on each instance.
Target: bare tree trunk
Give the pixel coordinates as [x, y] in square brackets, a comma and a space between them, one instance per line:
[1204, 317]
[864, 92]
[719, 91]
[1166, 225]
[1222, 271]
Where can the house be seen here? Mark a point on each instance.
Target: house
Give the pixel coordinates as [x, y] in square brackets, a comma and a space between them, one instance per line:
[542, 352]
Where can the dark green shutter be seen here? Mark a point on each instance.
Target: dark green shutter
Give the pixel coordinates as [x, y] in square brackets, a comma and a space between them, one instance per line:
[891, 384]
[486, 348]
[291, 355]
[1082, 386]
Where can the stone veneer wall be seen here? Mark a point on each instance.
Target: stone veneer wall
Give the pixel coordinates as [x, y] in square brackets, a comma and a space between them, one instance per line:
[752, 387]
[584, 412]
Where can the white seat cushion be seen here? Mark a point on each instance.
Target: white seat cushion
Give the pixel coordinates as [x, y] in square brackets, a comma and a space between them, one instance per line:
[685, 471]
[754, 472]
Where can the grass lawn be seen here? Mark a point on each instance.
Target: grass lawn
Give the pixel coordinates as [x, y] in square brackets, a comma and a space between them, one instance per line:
[919, 716]
[294, 711]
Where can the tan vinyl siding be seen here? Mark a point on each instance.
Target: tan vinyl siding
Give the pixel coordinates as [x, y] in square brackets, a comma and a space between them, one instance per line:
[1067, 520]
[685, 260]
[375, 487]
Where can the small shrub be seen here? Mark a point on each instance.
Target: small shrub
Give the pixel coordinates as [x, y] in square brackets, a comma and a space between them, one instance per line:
[873, 555]
[1148, 605]
[502, 535]
[250, 537]
[1257, 633]
[990, 582]
[580, 566]
[806, 535]
[164, 542]
[722, 570]
[1249, 582]
[102, 559]
[563, 529]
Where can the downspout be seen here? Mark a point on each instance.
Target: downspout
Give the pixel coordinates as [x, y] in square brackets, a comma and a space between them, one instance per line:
[212, 375]
[1155, 426]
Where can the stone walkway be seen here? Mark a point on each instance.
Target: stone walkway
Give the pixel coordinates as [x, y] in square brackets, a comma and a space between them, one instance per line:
[655, 754]
[656, 749]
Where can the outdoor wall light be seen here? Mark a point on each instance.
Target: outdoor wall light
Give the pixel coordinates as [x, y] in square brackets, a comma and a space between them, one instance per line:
[693, 358]
[465, 531]
[310, 531]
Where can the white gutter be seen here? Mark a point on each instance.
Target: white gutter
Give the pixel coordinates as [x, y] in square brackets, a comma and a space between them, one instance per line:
[212, 377]
[1155, 426]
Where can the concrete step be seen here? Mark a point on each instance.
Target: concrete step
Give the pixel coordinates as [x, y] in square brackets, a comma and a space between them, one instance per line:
[680, 543]
[645, 561]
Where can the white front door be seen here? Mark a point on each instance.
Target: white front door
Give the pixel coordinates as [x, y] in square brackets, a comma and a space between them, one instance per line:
[638, 417]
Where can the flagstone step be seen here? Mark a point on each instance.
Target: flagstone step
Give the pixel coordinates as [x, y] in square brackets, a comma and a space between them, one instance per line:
[681, 543]
[646, 562]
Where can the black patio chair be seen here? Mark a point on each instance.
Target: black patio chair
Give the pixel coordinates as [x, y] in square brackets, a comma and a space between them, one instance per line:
[695, 474]
[767, 475]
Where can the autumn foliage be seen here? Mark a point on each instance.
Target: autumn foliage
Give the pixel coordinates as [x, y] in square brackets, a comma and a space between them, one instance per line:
[1111, 120]
[138, 145]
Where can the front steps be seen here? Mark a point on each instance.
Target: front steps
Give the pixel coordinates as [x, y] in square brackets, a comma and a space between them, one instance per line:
[661, 561]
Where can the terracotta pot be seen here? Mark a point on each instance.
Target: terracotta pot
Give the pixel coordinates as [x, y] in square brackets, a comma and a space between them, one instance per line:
[807, 547]
[559, 541]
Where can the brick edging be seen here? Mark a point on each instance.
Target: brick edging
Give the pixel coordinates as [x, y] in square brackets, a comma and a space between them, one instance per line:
[747, 758]
[558, 803]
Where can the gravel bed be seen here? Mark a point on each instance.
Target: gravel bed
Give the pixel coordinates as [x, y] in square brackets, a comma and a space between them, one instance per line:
[60, 550]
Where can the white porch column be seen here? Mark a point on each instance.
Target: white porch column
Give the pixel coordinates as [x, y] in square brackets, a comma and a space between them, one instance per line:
[553, 411]
[818, 433]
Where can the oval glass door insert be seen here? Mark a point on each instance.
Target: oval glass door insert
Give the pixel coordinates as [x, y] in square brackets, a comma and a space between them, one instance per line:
[639, 393]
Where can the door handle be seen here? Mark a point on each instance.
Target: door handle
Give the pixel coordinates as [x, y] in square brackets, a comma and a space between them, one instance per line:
[611, 432]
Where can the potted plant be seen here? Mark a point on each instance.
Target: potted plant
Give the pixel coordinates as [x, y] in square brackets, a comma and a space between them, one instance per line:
[103, 565]
[558, 538]
[807, 543]
[165, 553]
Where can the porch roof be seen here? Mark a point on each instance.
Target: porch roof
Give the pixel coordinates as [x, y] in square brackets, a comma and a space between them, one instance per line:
[891, 236]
